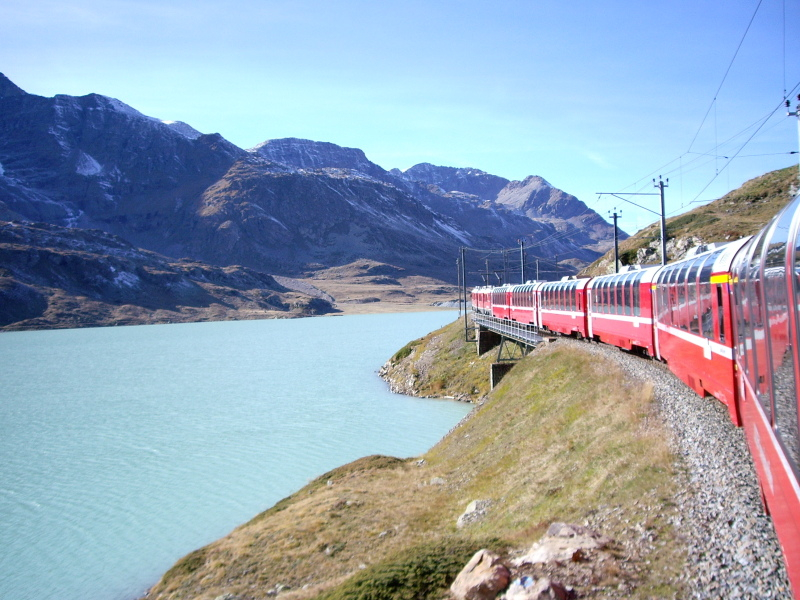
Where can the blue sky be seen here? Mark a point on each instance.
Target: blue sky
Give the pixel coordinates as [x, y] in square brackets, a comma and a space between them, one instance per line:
[592, 96]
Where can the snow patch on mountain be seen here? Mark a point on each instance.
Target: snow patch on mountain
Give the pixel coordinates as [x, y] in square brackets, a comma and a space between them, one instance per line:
[184, 129]
[123, 108]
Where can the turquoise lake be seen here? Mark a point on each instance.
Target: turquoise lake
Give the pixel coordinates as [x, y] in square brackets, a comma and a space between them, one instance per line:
[123, 449]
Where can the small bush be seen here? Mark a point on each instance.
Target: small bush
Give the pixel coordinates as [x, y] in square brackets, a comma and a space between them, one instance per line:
[417, 573]
[405, 351]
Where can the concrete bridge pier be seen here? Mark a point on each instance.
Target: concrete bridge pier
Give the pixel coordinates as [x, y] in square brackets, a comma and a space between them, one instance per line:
[487, 339]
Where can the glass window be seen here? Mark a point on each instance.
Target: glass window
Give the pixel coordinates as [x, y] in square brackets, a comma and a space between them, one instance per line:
[705, 300]
[693, 310]
[776, 293]
[626, 294]
[758, 349]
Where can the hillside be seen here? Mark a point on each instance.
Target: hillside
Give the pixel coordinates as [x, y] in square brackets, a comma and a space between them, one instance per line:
[53, 277]
[532, 449]
[739, 213]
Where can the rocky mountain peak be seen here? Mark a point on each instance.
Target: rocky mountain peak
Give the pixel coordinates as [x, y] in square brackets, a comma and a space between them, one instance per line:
[9, 88]
[536, 198]
[311, 155]
[452, 179]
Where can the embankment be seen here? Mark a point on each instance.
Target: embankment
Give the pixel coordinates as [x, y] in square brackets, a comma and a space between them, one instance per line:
[565, 437]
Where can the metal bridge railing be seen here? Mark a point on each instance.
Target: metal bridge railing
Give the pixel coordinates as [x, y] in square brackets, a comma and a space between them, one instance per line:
[520, 332]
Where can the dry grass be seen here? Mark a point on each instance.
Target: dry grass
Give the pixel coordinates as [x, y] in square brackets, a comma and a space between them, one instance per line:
[563, 438]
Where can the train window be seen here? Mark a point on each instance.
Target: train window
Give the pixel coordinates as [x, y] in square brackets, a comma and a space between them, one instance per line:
[739, 270]
[636, 284]
[692, 300]
[601, 292]
[680, 297]
[568, 297]
[663, 295]
[671, 300]
[758, 351]
[705, 300]
[626, 294]
[781, 357]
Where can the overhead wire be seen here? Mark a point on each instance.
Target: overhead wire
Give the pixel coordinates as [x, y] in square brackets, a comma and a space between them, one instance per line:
[727, 71]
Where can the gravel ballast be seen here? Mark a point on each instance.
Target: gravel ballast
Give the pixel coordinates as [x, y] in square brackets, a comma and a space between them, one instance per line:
[732, 548]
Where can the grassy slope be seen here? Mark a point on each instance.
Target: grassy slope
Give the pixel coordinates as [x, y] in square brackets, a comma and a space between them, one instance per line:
[739, 213]
[563, 437]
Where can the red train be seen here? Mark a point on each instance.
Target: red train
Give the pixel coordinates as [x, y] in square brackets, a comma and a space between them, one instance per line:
[726, 322]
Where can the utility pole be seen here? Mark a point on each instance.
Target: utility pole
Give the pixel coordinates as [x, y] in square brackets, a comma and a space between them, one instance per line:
[796, 113]
[522, 259]
[458, 276]
[661, 185]
[537, 269]
[464, 284]
[616, 241]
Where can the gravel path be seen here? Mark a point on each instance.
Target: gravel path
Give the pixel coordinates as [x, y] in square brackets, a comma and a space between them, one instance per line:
[732, 548]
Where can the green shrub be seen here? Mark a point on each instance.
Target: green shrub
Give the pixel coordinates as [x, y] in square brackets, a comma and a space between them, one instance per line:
[417, 573]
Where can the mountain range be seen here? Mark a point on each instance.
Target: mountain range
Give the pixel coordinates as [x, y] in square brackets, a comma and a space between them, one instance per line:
[287, 207]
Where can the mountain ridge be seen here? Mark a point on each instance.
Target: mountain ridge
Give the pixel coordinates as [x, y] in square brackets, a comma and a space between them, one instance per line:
[289, 207]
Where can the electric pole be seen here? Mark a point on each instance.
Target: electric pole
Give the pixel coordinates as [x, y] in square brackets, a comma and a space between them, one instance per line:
[796, 113]
[661, 185]
[616, 241]
[522, 259]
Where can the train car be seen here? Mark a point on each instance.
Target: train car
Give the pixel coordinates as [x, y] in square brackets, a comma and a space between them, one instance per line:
[766, 297]
[620, 310]
[481, 300]
[523, 305]
[562, 306]
[692, 324]
[501, 298]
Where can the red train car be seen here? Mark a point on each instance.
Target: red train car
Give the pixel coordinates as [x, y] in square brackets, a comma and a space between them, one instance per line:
[766, 297]
[481, 299]
[562, 306]
[501, 299]
[693, 328]
[620, 310]
[524, 303]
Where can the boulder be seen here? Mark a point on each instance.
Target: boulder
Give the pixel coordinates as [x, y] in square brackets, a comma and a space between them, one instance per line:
[562, 542]
[482, 579]
[475, 511]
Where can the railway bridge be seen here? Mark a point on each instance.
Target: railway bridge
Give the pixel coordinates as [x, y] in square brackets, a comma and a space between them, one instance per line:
[511, 338]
